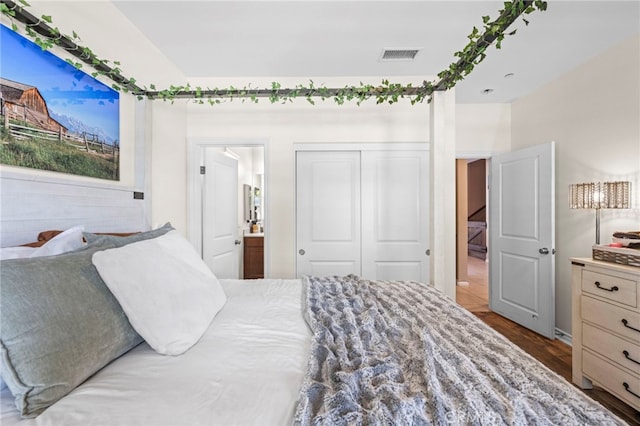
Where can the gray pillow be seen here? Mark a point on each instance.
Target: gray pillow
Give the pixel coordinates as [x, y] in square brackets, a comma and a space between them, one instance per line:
[95, 239]
[60, 324]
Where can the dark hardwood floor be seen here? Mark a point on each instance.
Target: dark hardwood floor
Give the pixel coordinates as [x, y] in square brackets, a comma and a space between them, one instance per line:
[555, 354]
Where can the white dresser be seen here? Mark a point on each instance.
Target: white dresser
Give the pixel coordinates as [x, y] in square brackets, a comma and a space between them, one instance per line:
[606, 327]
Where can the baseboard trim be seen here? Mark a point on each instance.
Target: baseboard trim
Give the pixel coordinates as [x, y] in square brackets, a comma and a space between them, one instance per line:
[563, 336]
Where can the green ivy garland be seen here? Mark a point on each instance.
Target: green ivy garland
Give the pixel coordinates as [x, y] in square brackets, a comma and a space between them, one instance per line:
[386, 92]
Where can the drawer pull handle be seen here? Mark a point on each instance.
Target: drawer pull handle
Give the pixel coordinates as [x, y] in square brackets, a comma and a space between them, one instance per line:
[626, 324]
[614, 288]
[626, 355]
[626, 387]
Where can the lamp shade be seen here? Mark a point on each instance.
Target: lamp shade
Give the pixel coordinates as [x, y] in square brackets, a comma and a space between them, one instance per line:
[600, 195]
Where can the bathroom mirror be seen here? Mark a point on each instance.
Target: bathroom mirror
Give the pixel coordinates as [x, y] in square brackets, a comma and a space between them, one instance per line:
[248, 202]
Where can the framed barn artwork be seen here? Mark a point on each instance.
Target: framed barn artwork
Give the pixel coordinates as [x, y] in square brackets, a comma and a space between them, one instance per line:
[54, 116]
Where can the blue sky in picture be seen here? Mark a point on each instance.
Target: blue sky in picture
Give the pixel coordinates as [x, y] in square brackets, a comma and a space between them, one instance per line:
[67, 90]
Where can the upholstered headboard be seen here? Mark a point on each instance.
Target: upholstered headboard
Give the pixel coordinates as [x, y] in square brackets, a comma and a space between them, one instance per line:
[30, 205]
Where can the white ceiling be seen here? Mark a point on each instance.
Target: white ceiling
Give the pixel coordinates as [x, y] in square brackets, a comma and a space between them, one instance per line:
[345, 38]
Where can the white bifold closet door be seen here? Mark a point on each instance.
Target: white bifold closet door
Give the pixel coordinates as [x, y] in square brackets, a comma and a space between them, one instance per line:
[328, 213]
[363, 212]
[395, 226]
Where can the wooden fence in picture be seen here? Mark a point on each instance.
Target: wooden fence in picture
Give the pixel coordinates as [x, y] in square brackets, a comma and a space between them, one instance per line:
[88, 142]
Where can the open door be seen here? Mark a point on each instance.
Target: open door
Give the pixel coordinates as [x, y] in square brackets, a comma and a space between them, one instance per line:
[522, 237]
[220, 243]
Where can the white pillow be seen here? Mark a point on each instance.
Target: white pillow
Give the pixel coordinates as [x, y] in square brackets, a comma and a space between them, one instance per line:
[168, 293]
[17, 252]
[66, 241]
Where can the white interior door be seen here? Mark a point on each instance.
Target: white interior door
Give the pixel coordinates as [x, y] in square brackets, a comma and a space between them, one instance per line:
[522, 237]
[220, 214]
[327, 213]
[395, 217]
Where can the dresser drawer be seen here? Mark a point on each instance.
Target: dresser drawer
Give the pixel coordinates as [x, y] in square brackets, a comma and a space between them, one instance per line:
[612, 378]
[611, 317]
[610, 287]
[616, 349]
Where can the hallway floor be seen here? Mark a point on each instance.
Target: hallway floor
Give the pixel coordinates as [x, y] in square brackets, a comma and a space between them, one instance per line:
[475, 296]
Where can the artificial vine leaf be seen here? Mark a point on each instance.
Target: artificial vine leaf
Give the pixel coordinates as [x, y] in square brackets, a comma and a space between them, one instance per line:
[78, 65]
[541, 5]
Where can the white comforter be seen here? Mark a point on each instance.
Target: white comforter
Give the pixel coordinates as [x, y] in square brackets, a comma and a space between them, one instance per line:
[247, 369]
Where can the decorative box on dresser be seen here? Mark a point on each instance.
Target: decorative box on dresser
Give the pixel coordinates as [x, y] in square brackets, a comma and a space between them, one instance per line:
[606, 327]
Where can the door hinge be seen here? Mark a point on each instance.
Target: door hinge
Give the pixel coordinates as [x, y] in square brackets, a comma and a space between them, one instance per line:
[203, 170]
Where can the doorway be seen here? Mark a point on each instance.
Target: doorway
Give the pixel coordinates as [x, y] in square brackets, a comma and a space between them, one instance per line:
[520, 217]
[250, 219]
[472, 291]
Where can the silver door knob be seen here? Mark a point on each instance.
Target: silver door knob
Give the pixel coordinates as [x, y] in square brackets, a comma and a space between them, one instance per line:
[238, 242]
[301, 252]
[544, 250]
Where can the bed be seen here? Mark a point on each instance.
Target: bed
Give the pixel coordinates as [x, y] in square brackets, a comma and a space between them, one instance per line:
[135, 330]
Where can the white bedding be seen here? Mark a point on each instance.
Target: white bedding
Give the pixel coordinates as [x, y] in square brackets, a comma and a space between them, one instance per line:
[247, 369]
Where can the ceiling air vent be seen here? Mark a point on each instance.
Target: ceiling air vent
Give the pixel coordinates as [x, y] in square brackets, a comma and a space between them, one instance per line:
[399, 54]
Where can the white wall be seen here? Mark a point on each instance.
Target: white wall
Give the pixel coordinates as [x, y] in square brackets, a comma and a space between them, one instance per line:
[482, 130]
[168, 164]
[593, 115]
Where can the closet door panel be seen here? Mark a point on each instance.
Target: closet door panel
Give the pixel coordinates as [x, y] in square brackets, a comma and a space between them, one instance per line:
[328, 213]
[398, 270]
[395, 215]
[324, 268]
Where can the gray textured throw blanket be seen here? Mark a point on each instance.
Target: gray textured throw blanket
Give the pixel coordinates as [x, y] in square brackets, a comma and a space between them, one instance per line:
[400, 353]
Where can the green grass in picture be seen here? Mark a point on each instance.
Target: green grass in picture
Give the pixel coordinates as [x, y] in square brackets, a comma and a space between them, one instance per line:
[57, 157]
